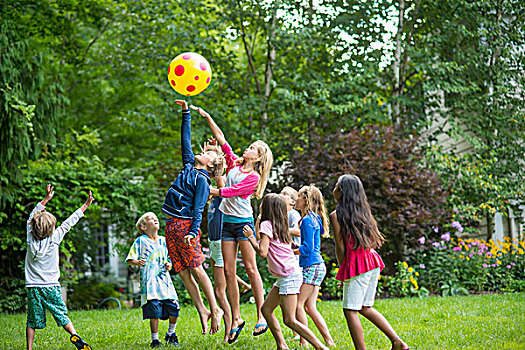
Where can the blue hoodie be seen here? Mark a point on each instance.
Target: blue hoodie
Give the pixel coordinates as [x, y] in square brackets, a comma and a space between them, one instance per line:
[187, 196]
[311, 227]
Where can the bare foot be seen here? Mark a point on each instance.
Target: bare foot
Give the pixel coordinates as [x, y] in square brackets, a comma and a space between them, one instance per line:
[398, 344]
[216, 317]
[330, 344]
[205, 317]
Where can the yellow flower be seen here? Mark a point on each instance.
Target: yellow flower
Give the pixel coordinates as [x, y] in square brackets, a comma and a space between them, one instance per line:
[467, 258]
[336, 270]
[319, 300]
[379, 277]
[405, 264]
[417, 273]
[410, 269]
[521, 252]
[320, 294]
[498, 262]
[414, 282]
[461, 256]
[333, 264]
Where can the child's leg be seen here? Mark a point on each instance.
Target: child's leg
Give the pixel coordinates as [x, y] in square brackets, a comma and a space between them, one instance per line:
[193, 290]
[204, 281]
[355, 327]
[243, 286]
[172, 324]
[304, 294]
[384, 326]
[289, 306]
[219, 286]
[70, 328]
[229, 254]
[272, 301]
[248, 258]
[154, 328]
[30, 337]
[311, 309]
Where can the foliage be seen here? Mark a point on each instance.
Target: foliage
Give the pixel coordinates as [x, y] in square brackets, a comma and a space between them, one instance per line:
[453, 264]
[404, 283]
[388, 163]
[89, 292]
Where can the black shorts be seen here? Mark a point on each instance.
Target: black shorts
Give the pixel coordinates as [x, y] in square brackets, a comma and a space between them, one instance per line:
[233, 231]
[162, 309]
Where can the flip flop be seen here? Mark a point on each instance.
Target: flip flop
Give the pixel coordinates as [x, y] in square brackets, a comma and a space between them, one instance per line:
[260, 332]
[245, 292]
[237, 331]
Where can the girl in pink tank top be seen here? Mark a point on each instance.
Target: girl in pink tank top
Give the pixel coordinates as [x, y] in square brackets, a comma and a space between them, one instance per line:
[356, 237]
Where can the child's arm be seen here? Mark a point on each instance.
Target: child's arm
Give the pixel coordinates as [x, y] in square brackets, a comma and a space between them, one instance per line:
[338, 238]
[260, 247]
[185, 134]
[217, 132]
[307, 237]
[133, 255]
[40, 206]
[140, 262]
[202, 191]
[243, 189]
[61, 231]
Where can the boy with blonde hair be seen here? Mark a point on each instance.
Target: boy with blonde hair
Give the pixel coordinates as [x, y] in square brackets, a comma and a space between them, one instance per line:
[183, 205]
[42, 270]
[157, 294]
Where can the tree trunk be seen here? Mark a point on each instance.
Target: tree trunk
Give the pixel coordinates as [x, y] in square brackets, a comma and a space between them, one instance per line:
[269, 69]
[396, 93]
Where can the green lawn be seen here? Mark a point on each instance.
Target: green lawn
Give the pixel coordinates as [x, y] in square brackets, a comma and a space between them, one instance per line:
[472, 322]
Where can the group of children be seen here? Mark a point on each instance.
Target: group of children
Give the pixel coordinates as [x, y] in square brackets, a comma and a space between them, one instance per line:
[290, 241]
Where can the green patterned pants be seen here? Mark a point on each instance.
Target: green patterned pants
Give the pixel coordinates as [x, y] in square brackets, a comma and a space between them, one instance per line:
[40, 299]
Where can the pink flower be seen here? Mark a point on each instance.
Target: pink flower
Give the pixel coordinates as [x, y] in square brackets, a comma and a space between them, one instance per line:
[485, 265]
[436, 229]
[508, 266]
[421, 266]
[206, 265]
[436, 244]
[513, 264]
[457, 249]
[446, 236]
[421, 240]
[457, 226]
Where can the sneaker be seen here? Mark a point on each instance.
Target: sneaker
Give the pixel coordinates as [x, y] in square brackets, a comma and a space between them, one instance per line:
[155, 343]
[79, 342]
[172, 339]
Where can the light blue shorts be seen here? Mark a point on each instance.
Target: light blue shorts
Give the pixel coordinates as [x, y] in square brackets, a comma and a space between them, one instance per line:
[290, 284]
[216, 253]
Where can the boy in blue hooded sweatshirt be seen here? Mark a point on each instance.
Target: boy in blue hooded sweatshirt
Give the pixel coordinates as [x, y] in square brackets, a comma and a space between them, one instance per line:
[183, 206]
[42, 271]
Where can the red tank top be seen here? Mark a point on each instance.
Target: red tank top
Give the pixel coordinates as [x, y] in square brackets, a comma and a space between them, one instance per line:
[358, 261]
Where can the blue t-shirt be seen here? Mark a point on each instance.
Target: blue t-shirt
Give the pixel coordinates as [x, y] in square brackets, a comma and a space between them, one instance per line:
[215, 220]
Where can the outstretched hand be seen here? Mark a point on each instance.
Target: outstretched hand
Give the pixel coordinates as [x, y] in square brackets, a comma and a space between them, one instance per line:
[201, 111]
[247, 231]
[88, 202]
[50, 193]
[182, 103]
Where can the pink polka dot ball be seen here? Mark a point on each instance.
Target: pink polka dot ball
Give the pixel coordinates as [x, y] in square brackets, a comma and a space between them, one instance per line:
[189, 74]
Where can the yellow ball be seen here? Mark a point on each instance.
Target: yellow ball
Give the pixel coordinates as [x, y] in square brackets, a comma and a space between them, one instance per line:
[189, 74]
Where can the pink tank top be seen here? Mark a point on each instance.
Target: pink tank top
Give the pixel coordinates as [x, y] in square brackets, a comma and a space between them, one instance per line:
[358, 261]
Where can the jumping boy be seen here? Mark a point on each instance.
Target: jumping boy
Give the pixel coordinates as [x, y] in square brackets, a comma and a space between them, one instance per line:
[158, 296]
[42, 271]
[183, 206]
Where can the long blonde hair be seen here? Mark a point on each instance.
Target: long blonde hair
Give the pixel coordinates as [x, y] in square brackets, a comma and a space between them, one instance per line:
[314, 203]
[262, 166]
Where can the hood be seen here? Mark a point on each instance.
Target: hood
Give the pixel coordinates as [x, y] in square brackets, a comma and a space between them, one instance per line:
[38, 249]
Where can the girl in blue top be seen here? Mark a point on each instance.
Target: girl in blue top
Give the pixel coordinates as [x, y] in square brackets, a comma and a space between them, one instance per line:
[313, 226]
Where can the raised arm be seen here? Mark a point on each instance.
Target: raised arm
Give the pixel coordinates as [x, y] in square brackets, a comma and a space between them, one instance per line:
[338, 238]
[202, 191]
[217, 132]
[185, 134]
[61, 231]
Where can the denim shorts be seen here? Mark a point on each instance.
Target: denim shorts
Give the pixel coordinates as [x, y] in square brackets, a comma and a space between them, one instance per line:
[162, 309]
[314, 274]
[233, 231]
[290, 284]
[360, 290]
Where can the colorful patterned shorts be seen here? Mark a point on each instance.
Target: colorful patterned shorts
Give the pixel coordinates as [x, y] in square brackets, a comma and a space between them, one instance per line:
[40, 299]
[182, 257]
[314, 274]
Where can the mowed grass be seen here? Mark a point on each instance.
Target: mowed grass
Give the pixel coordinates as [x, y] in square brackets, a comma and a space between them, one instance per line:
[471, 322]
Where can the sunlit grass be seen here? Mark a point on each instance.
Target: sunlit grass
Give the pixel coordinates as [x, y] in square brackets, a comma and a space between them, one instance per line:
[471, 322]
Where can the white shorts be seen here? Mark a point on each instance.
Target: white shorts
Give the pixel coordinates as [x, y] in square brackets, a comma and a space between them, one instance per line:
[216, 253]
[360, 290]
[290, 284]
